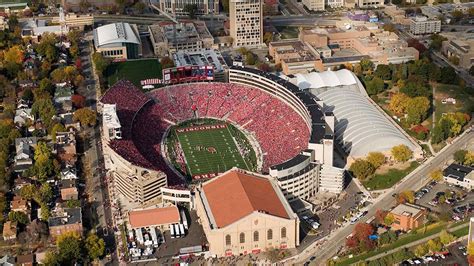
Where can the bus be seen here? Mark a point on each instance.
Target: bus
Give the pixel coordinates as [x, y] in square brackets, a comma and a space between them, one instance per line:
[181, 230]
[154, 238]
[184, 220]
[172, 231]
[176, 230]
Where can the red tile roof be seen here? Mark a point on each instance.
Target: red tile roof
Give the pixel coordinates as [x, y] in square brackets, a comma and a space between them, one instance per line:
[235, 195]
[154, 217]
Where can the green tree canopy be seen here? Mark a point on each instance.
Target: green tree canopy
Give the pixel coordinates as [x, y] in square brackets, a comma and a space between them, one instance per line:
[362, 169]
[95, 246]
[85, 116]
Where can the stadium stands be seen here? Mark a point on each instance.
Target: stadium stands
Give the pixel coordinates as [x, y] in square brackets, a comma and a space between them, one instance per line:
[281, 132]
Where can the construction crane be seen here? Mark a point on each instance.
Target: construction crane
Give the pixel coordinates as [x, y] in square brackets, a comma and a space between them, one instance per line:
[173, 19]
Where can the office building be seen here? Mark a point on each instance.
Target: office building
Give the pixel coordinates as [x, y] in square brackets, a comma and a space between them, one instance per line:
[407, 217]
[178, 7]
[459, 175]
[168, 38]
[314, 5]
[461, 48]
[246, 22]
[420, 25]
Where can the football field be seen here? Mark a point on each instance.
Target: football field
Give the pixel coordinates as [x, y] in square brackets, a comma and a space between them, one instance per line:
[209, 150]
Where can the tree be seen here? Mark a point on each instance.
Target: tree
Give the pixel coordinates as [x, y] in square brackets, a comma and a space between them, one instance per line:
[436, 41]
[389, 219]
[401, 153]
[85, 116]
[469, 160]
[19, 217]
[417, 109]
[421, 250]
[14, 55]
[436, 175]
[95, 246]
[47, 46]
[380, 216]
[383, 71]
[139, 6]
[45, 193]
[398, 103]
[78, 101]
[362, 169]
[366, 65]
[46, 85]
[268, 37]
[250, 59]
[57, 128]
[69, 248]
[191, 9]
[449, 75]
[28, 192]
[417, 45]
[434, 245]
[446, 238]
[360, 237]
[374, 86]
[457, 15]
[166, 62]
[376, 159]
[460, 156]
[407, 196]
[101, 63]
[264, 67]
[45, 212]
[44, 109]
[470, 249]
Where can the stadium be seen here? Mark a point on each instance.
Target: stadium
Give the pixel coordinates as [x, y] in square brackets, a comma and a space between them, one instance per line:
[185, 132]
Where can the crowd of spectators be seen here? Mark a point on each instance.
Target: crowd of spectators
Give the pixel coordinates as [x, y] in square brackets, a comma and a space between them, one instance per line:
[279, 130]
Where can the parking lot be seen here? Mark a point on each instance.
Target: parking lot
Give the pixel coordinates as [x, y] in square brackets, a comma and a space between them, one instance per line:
[194, 237]
[428, 199]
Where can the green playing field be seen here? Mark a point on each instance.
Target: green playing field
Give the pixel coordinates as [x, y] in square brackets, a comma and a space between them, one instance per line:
[210, 151]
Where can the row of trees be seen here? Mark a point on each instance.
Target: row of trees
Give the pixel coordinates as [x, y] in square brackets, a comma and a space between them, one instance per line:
[434, 245]
[364, 168]
[71, 249]
[464, 157]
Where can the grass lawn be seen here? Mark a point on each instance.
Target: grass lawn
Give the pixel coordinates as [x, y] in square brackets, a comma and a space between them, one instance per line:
[135, 71]
[210, 151]
[387, 180]
[461, 232]
[288, 32]
[464, 99]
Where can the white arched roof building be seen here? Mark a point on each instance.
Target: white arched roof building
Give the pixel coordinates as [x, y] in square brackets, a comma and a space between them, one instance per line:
[360, 127]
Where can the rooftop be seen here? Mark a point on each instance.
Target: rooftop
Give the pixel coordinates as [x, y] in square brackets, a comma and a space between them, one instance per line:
[203, 57]
[294, 51]
[115, 33]
[407, 209]
[110, 117]
[153, 217]
[235, 195]
[457, 171]
[186, 31]
[65, 216]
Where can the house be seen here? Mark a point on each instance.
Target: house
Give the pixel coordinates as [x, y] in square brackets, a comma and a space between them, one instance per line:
[407, 217]
[69, 193]
[68, 173]
[459, 175]
[67, 119]
[65, 220]
[10, 230]
[25, 260]
[65, 147]
[62, 98]
[243, 213]
[24, 153]
[19, 204]
[156, 217]
[22, 116]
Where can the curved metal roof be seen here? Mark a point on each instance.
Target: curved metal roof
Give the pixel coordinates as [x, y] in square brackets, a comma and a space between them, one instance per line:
[326, 79]
[115, 33]
[360, 127]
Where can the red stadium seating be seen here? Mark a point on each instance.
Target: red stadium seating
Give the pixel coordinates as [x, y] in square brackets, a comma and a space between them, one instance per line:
[279, 130]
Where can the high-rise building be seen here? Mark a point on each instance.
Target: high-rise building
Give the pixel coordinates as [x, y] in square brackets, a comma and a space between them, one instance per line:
[422, 25]
[246, 22]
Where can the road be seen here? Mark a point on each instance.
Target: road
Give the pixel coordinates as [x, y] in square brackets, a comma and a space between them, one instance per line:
[413, 181]
[440, 60]
[95, 185]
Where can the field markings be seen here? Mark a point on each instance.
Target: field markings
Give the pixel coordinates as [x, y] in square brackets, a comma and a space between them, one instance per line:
[237, 146]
